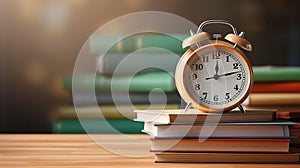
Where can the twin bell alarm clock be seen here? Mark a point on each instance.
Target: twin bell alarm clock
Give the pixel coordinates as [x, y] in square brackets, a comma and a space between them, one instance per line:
[214, 75]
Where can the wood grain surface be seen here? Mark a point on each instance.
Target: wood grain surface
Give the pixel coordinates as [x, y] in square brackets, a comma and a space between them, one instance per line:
[81, 150]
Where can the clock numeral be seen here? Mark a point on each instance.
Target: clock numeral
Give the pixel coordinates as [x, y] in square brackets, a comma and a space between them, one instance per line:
[227, 58]
[197, 87]
[199, 66]
[236, 87]
[216, 55]
[227, 95]
[205, 59]
[235, 66]
[205, 95]
[216, 97]
[195, 76]
[239, 77]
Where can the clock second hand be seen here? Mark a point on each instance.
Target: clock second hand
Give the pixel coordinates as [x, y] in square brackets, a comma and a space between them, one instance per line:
[216, 76]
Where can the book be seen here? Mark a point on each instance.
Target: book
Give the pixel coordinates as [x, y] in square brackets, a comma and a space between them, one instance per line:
[144, 82]
[145, 60]
[259, 99]
[107, 111]
[116, 43]
[271, 145]
[165, 157]
[196, 116]
[288, 115]
[295, 131]
[276, 74]
[221, 130]
[106, 98]
[96, 126]
[279, 107]
[276, 87]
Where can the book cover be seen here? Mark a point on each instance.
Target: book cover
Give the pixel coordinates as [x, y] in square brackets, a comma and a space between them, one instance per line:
[222, 130]
[196, 116]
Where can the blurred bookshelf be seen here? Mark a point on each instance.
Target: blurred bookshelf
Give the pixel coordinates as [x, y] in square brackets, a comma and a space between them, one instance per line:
[40, 41]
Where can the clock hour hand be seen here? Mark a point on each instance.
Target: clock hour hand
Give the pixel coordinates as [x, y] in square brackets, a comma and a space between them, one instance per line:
[216, 76]
[217, 67]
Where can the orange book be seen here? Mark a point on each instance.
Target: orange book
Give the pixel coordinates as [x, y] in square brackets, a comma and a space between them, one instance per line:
[220, 145]
[272, 99]
[276, 87]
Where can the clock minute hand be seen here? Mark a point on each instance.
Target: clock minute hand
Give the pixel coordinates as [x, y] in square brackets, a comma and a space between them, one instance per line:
[211, 77]
[216, 76]
[229, 73]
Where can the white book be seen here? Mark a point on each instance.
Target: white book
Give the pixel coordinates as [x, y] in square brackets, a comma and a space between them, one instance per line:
[222, 130]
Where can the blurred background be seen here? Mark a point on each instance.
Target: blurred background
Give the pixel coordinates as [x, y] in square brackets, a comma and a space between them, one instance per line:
[40, 40]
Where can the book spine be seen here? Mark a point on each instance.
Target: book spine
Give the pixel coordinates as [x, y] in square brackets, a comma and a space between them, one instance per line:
[83, 99]
[108, 111]
[144, 82]
[276, 87]
[278, 75]
[100, 43]
[152, 58]
[260, 99]
[111, 126]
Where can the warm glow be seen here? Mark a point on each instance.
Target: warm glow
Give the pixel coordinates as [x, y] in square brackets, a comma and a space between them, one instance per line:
[35, 73]
[29, 9]
[56, 87]
[55, 15]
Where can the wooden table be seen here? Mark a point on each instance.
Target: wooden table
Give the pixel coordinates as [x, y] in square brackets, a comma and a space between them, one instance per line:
[55, 150]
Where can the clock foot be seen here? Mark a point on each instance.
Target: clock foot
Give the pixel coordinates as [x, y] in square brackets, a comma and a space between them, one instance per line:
[187, 107]
[242, 109]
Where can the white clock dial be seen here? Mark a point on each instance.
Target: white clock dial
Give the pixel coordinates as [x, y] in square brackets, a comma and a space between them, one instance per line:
[216, 77]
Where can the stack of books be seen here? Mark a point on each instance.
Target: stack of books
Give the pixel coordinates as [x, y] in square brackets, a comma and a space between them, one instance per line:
[293, 116]
[279, 88]
[135, 73]
[275, 87]
[193, 136]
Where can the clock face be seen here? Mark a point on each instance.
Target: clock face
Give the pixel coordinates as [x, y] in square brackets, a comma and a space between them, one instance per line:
[216, 77]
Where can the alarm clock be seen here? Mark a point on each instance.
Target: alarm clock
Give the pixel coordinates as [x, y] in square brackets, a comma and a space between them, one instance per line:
[214, 75]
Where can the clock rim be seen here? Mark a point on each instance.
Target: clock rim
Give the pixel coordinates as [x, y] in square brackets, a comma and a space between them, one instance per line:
[179, 73]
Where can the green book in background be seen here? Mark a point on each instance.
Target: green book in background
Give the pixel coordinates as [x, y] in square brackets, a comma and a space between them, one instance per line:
[143, 82]
[112, 111]
[96, 126]
[276, 74]
[145, 60]
[100, 43]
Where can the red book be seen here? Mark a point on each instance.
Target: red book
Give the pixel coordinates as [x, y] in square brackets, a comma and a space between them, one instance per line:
[288, 115]
[276, 87]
